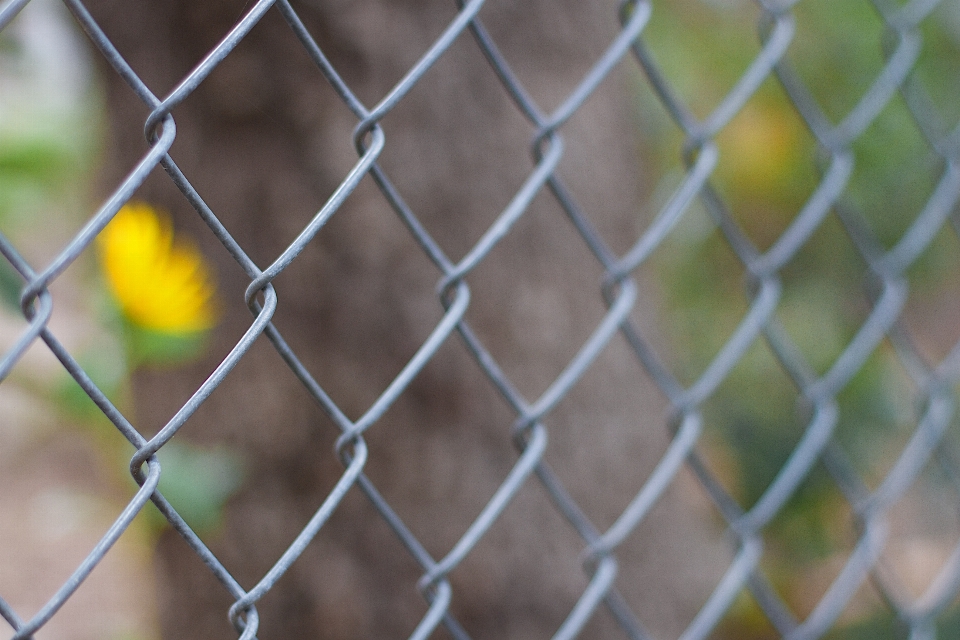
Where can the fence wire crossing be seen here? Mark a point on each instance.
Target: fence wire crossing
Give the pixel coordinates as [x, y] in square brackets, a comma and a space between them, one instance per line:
[886, 280]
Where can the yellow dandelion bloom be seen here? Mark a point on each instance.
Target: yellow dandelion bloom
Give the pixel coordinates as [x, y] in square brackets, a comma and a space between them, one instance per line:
[762, 146]
[160, 283]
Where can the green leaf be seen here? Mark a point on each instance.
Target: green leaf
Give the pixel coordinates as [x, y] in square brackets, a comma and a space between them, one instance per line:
[10, 284]
[198, 482]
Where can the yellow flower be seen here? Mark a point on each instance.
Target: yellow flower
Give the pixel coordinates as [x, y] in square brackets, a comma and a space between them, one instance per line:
[160, 283]
[761, 147]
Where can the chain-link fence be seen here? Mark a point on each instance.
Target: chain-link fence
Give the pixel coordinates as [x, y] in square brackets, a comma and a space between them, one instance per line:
[815, 394]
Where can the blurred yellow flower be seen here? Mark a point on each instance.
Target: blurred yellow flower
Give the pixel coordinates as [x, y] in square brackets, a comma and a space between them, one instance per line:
[761, 148]
[160, 283]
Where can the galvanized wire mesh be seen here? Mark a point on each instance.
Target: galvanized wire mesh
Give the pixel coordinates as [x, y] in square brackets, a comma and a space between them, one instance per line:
[886, 277]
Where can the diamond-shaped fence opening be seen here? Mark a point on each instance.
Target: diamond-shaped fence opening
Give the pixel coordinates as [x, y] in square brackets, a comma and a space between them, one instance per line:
[480, 319]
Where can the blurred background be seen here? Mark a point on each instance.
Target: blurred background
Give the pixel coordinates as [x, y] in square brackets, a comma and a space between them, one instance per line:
[770, 165]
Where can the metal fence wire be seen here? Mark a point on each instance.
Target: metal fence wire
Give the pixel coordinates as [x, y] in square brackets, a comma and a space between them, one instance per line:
[890, 276]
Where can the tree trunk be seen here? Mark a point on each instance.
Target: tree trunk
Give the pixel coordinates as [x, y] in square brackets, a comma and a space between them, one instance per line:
[266, 141]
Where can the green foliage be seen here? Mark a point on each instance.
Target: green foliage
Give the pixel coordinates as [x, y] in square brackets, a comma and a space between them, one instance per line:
[157, 349]
[198, 481]
[45, 156]
[10, 284]
[107, 368]
[769, 166]
[26, 178]
[879, 627]
[50, 135]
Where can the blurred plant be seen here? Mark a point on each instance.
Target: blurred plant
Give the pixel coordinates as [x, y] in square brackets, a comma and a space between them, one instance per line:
[160, 292]
[50, 128]
[198, 481]
[163, 306]
[160, 307]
